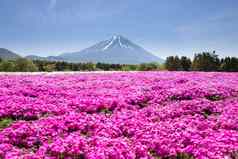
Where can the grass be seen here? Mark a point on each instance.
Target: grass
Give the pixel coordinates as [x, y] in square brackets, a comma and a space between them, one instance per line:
[5, 122]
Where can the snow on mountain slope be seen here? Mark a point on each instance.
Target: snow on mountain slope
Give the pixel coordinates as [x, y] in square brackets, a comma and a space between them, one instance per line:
[115, 50]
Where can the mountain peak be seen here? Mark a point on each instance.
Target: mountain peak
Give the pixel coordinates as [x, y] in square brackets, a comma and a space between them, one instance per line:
[119, 38]
[116, 36]
[116, 50]
[118, 41]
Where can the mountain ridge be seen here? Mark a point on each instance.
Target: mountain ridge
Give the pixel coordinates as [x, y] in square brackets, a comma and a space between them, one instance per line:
[6, 54]
[117, 49]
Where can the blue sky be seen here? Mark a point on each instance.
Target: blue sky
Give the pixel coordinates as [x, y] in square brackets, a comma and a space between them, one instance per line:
[163, 27]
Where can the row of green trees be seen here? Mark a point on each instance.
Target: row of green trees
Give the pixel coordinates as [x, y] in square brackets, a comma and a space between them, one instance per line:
[206, 61]
[25, 65]
[65, 66]
[18, 65]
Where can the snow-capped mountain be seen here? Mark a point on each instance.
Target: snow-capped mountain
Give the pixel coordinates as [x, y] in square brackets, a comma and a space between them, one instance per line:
[116, 50]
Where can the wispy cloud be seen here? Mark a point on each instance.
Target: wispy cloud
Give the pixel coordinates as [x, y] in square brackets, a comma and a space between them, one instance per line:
[210, 23]
[185, 28]
[86, 10]
[52, 4]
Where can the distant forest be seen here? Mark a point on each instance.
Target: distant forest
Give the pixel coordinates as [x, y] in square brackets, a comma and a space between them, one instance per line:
[206, 61]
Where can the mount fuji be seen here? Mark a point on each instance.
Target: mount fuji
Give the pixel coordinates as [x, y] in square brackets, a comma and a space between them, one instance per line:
[116, 50]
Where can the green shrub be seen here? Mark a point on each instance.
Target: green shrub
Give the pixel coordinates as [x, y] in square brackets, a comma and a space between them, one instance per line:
[5, 122]
[7, 66]
[25, 65]
[148, 67]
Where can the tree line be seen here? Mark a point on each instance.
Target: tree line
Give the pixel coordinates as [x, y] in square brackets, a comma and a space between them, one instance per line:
[206, 61]
[26, 65]
[49, 66]
[18, 65]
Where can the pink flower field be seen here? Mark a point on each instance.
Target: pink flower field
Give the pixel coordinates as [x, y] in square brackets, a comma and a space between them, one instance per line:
[140, 115]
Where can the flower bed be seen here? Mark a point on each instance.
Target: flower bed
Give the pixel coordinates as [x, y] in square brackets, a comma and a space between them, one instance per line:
[161, 115]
